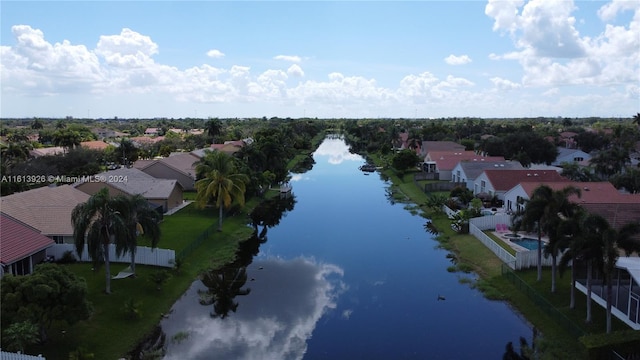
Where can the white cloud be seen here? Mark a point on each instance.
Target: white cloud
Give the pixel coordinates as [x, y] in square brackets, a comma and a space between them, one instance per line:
[504, 84]
[505, 13]
[290, 58]
[129, 49]
[552, 52]
[295, 70]
[457, 60]
[215, 53]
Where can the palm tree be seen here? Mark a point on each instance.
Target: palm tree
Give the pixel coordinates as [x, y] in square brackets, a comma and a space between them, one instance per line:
[593, 232]
[140, 219]
[571, 228]
[99, 223]
[541, 215]
[221, 182]
[559, 210]
[613, 240]
[636, 119]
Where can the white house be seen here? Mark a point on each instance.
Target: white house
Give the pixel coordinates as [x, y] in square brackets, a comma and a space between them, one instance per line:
[468, 171]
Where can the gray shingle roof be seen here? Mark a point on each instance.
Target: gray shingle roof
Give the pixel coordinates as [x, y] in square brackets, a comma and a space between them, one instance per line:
[133, 181]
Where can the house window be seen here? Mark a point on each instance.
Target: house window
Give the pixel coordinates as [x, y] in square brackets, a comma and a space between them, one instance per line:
[483, 185]
[58, 239]
[578, 158]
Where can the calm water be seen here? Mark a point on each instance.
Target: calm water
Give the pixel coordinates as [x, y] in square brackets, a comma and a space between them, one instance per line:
[342, 274]
[528, 243]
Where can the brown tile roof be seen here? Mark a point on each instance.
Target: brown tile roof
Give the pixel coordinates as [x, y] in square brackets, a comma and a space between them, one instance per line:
[503, 180]
[18, 240]
[184, 163]
[47, 209]
[442, 146]
[447, 160]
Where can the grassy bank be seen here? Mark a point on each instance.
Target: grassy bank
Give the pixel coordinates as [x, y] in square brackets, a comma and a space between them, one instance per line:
[556, 341]
[109, 333]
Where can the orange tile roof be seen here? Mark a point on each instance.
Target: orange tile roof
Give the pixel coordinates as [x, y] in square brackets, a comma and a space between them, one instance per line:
[95, 145]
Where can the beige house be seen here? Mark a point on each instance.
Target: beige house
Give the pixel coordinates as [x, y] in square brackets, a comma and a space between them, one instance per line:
[165, 193]
[46, 209]
[180, 167]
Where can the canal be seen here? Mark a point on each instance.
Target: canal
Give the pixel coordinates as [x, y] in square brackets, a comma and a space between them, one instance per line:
[339, 270]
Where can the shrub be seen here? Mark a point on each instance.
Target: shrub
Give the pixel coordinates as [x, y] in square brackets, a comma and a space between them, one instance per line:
[67, 258]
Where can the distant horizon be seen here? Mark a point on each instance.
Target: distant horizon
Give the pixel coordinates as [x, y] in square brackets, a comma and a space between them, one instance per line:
[426, 59]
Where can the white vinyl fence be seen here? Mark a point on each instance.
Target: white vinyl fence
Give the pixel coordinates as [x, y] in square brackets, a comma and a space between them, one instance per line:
[144, 255]
[15, 356]
[522, 260]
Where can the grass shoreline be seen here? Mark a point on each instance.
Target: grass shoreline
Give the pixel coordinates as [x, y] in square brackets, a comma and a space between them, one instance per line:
[554, 340]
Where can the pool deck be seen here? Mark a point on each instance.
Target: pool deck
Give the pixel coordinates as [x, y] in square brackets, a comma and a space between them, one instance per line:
[515, 246]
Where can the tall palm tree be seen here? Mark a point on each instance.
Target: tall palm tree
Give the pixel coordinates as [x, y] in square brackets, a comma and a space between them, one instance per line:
[593, 232]
[221, 182]
[99, 223]
[571, 229]
[540, 214]
[559, 210]
[613, 240]
[140, 219]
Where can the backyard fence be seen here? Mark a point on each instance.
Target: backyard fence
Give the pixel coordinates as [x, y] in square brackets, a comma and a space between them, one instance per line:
[522, 259]
[197, 241]
[16, 356]
[144, 255]
[542, 303]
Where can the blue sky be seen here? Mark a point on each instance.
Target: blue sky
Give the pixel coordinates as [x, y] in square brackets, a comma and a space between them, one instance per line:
[430, 59]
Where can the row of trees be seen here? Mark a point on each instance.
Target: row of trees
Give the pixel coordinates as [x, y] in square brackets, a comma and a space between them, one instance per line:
[577, 237]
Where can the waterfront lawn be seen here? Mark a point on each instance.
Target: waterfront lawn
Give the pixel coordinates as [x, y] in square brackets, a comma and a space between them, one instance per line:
[109, 334]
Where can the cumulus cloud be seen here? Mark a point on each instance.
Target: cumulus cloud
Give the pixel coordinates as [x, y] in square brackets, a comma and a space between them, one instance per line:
[290, 58]
[214, 53]
[504, 84]
[129, 49]
[295, 70]
[457, 60]
[551, 50]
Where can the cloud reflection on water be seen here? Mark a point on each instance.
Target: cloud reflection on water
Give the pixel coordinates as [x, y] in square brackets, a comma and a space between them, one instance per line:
[337, 150]
[287, 299]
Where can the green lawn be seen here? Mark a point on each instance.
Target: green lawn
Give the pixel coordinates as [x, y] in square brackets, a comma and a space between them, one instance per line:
[109, 334]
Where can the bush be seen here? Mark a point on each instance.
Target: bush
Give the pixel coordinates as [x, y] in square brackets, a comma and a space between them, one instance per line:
[67, 258]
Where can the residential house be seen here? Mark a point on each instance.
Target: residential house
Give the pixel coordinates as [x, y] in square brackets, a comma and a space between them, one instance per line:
[102, 133]
[498, 182]
[567, 138]
[47, 151]
[152, 131]
[597, 197]
[439, 146]
[443, 162]
[566, 155]
[22, 246]
[46, 209]
[179, 166]
[164, 193]
[626, 290]
[467, 171]
[229, 147]
[94, 145]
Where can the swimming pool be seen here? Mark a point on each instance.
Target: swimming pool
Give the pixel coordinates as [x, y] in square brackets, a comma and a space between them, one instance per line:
[528, 243]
